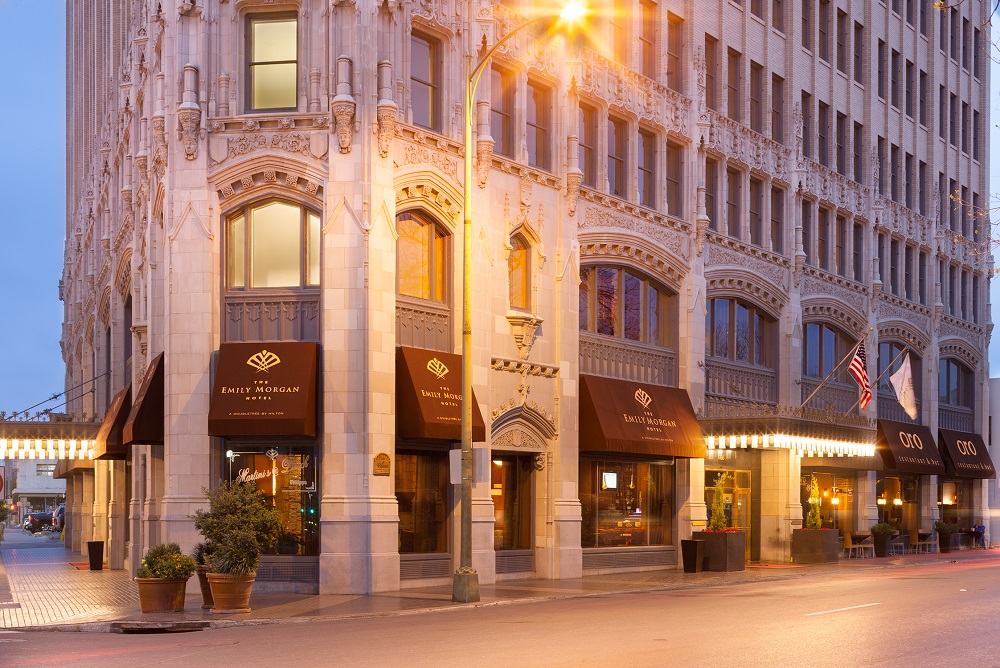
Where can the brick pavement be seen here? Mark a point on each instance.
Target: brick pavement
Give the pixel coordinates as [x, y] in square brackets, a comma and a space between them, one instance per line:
[49, 594]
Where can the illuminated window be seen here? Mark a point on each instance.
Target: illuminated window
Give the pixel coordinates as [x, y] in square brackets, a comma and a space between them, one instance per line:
[274, 244]
[539, 123]
[626, 503]
[519, 271]
[425, 75]
[421, 258]
[273, 63]
[617, 302]
[502, 112]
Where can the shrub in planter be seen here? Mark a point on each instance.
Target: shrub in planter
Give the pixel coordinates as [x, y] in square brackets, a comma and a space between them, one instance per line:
[200, 554]
[881, 535]
[814, 520]
[946, 534]
[162, 578]
[725, 546]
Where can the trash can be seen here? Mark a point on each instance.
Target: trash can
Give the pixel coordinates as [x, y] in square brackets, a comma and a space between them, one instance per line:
[95, 551]
[693, 552]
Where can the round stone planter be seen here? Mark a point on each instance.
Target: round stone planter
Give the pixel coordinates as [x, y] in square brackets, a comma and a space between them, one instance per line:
[207, 602]
[161, 594]
[231, 593]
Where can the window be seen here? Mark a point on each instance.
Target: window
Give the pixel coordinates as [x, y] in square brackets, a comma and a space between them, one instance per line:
[588, 145]
[975, 135]
[966, 43]
[966, 219]
[273, 244]
[858, 257]
[908, 275]
[734, 85]
[894, 75]
[647, 161]
[952, 290]
[614, 493]
[923, 98]
[45, 470]
[943, 196]
[840, 253]
[617, 147]
[675, 195]
[975, 52]
[894, 173]
[615, 301]
[922, 188]
[910, 85]
[954, 34]
[711, 66]
[777, 108]
[808, 233]
[422, 492]
[421, 258]
[757, 9]
[823, 134]
[923, 18]
[502, 112]
[880, 156]
[734, 199]
[619, 32]
[823, 239]
[647, 39]
[890, 358]
[859, 53]
[807, 124]
[823, 348]
[909, 11]
[538, 118]
[824, 23]
[943, 33]
[425, 76]
[842, 41]
[883, 66]
[943, 114]
[909, 181]
[807, 28]
[955, 383]
[756, 97]
[778, 15]
[842, 144]
[858, 157]
[777, 219]
[711, 187]
[921, 278]
[965, 127]
[519, 273]
[675, 53]
[964, 278]
[883, 261]
[953, 222]
[756, 211]
[273, 63]
[894, 266]
[740, 331]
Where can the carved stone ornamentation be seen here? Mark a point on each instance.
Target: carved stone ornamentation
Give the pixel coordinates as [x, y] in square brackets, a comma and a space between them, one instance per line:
[343, 112]
[523, 325]
[484, 160]
[386, 125]
[574, 178]
[190, 119]
[159, 125]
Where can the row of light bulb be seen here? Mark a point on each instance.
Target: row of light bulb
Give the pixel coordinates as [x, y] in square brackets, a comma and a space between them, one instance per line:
[37, 448]
[806, 445]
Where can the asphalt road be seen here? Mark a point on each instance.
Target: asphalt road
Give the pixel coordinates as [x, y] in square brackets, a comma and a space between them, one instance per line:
[934, 615]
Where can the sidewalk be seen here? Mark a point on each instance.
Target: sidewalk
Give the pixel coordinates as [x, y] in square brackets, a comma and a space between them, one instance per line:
[40, 590]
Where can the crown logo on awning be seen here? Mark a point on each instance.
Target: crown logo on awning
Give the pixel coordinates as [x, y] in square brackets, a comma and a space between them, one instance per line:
[643, 398]
[437, 367]
[264, 360]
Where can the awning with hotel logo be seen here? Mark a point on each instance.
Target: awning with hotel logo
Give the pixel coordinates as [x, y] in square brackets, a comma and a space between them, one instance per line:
[145, 421]
[966, 455]
[264, 389]
[908, 448]
[110, 443]
[636, 418]
[429, 397]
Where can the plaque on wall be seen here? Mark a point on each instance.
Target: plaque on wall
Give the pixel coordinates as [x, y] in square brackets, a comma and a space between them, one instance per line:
[381, 466]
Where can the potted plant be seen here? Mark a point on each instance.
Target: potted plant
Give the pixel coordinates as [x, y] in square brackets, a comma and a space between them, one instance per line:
[162, 578]
[725, 546]
[200, 554]
[240, 524]
[813, 544]
[946, 534]
[882, 533]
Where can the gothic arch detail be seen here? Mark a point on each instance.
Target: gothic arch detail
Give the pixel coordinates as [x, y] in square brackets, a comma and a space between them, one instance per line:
[623, 250]
[739, 283]
[906, 333]
[830, 311]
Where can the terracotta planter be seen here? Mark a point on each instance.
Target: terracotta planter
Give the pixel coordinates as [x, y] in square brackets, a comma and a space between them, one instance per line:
[724, 550]
[815, 546]
[161, 594]
[946, 541]
[231, 593]
[207, 602]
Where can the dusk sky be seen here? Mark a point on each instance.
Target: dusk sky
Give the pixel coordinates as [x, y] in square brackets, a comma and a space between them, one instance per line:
[32, 188]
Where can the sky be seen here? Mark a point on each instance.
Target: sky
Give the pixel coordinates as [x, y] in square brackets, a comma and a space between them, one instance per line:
[32, 189]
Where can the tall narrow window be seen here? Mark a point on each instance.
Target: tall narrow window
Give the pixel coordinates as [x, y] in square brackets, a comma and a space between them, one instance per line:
[807, 125]
[734, 86]
[965, 127]
[588, 145]
[617, 149]
[273, 245]
[519, 273]
[840, 253]
[647, 39]
[756, 211]
[954, 34]
[757, 9]
[823, 239]
[756, 97]
[859, 53]
[942, 113]
[922, 188]
[425, 92]
[894, 173]
[894, 76]
[953, 120]
[538, 117]
[824, 23]
[777, 108]
[922, 278]
[675, 195]
[421, 258]
[966, 43]
[777, 219]
[711, 190]
[734, 197]
[859, 245]
[647, 161]
[711, 66]
[502, 112]
[842, 144]
[778, 15]
[273, 63]
[823, 134]
[883, 67]
[975, 52]
[619, 31]
[910, 85]
[883, 175]
[807, 232]
[675, 53]
[909, 181]
[842, 27]
[975, 135]
[858, 157]
[807, 24]
[894, 266]
[923, 98]
[908, 273]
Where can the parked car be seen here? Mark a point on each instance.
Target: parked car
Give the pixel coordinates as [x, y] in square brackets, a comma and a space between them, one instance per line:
[36, 522]
[59, 518]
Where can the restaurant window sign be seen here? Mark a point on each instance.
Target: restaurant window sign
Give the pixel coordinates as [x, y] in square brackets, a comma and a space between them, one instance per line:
[287, 477]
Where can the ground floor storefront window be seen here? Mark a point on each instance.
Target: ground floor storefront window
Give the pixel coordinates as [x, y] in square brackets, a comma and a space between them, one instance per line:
[287, 476]
[898, 500]
[836, 498]
[422, 494]
[626, 503]
[510, 487]
[955, 502]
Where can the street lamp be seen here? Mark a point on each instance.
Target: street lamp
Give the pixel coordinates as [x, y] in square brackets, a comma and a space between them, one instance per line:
[465, 588]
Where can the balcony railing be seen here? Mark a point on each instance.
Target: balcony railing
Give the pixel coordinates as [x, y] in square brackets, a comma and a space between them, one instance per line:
[889, 408]
[628, 360]
[728, 380]
[255, 316]
[423, 324]
[956, 418]
[835, 396]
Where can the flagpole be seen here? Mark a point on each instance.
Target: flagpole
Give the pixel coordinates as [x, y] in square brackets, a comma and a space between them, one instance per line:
[875, 383]
[849, 355]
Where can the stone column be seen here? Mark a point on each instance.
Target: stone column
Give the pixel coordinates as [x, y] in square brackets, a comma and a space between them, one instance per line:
[780, 471]
[86, 510]
[117, 509]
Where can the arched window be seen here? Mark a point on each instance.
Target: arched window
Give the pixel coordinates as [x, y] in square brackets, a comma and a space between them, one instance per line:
[824, 347]
[625, 304]
[421, 258]
[740, 331]
[272, 244]
[519, 273]
[890, 358]
[955, 384]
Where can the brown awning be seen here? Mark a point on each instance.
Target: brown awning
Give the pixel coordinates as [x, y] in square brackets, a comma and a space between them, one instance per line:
[145, 420]
[67, 467]
[264, 389]
[908, 448]
[966, 455]
[110, 444]
[637, 418]
[429, 396]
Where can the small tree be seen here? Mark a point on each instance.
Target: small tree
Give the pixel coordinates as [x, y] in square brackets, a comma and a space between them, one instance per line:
[239, 525]
[814, 520]
[719, 521]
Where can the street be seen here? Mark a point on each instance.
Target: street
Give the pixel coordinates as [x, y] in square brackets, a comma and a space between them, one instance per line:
[940, 614]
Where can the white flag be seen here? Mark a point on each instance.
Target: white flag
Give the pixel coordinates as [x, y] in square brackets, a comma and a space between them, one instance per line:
[902, 382]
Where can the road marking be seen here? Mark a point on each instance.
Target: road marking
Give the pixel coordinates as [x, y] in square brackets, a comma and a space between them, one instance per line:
[853, 607]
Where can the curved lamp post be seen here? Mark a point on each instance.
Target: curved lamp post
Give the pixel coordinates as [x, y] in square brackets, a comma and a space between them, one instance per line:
[465, 588]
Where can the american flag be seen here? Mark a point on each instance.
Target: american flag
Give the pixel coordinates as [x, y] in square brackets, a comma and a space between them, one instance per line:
[859, 369]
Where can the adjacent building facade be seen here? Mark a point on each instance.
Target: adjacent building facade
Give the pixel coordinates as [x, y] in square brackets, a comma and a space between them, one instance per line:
[685, 219]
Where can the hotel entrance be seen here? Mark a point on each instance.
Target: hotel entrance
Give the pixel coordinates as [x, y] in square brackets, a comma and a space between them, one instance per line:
[737, 500]
[511, 478]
